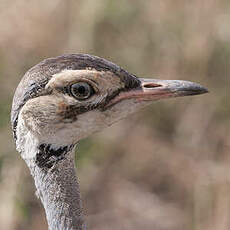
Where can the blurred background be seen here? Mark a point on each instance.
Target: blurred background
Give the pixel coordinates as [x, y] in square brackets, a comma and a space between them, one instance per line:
[165, 168]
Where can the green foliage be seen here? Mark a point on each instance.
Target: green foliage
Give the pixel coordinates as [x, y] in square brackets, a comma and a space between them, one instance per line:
[22, 209]
[4, 113]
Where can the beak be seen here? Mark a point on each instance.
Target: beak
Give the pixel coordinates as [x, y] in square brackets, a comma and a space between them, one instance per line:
[155, 89]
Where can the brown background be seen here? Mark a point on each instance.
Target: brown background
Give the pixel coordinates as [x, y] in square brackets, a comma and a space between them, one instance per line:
[165, 168]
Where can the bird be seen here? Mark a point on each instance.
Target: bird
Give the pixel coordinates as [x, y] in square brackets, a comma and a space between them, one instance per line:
[63, 100]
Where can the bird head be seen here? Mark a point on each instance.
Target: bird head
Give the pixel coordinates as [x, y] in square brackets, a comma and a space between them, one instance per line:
[64, 99]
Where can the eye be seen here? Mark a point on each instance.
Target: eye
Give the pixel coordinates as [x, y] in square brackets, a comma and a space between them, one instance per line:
[81, 90]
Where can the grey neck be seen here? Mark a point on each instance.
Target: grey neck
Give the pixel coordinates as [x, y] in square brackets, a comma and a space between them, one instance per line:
[58, 188]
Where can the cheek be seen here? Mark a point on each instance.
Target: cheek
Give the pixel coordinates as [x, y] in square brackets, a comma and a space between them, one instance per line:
[71, 132]
[40, 116]
[89, 122]
[49, 122]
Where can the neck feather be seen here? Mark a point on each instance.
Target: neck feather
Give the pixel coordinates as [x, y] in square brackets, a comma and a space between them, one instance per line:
[54, 173]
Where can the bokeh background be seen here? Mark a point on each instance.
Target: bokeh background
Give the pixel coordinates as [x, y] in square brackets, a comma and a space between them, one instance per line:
[165, 168]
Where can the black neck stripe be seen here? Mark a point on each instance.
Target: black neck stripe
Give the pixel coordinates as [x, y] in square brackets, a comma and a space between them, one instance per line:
[47, 156]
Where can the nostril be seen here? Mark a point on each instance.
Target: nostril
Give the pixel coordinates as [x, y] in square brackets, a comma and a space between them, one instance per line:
[151, 85]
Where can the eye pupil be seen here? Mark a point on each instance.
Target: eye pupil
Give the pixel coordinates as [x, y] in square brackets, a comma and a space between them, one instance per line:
[81, 90]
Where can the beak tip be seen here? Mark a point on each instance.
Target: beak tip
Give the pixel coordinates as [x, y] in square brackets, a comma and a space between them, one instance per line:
[196, 89]
[205, 90]
[187, 88]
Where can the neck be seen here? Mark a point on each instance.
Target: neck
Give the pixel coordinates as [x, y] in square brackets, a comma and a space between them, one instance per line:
[57, 185]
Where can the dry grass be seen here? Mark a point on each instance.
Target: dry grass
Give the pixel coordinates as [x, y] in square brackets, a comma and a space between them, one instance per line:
[163, 169]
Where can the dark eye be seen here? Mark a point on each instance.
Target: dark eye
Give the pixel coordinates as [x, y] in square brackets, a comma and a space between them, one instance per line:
[81, 90]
